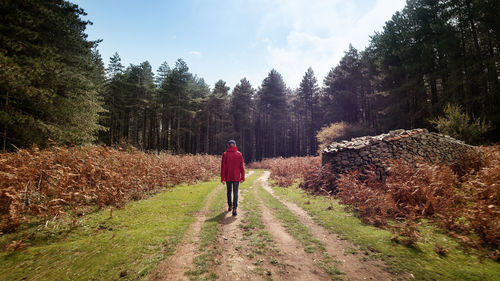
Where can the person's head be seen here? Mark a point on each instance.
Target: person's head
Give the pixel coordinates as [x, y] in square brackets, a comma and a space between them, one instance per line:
[231, 143]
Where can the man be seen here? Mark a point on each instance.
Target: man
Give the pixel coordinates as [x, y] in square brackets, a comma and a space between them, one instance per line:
[232, 172]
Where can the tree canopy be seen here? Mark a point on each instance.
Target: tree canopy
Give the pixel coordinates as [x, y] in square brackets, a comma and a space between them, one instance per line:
[432, 53]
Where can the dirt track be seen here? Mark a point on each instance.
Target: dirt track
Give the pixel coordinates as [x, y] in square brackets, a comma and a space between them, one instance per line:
[174, 267]
[285, 257]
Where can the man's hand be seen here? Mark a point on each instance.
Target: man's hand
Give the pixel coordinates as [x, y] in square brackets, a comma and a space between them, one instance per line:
[223, 182]
[242, 180]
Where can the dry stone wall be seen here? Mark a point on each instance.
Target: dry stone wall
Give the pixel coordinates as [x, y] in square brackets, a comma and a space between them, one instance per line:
[409, 145]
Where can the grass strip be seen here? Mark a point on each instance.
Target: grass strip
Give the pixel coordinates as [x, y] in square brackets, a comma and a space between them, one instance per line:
[127, 245]
[421, 260]
[300, 232]
[208, 240]
[261, 245]
[205, 260]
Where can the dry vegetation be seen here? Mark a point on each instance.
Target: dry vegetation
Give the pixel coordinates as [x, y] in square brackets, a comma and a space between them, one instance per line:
[285, 171]
[464, 202]
[42, 184]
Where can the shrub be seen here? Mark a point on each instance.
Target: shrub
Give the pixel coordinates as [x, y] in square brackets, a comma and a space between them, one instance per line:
[320, 180]
[61, 180]
[466, 205]
[285, 171]
[465, 201]
[460, 125]
[340, 131]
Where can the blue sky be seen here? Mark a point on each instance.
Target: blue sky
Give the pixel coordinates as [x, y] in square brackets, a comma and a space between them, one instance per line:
[230, 40]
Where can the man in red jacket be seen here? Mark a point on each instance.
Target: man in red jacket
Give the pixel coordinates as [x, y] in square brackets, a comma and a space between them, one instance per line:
[232, 172]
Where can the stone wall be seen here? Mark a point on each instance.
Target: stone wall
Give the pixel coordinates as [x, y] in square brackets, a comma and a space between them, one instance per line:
[409, 145]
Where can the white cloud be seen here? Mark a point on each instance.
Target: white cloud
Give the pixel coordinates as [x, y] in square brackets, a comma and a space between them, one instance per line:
[319, 32]
[194, 53]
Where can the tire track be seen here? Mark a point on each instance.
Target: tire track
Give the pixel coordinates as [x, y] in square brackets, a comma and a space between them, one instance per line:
[299, 265]
[234, 263]
[174, 267]
[339, 249]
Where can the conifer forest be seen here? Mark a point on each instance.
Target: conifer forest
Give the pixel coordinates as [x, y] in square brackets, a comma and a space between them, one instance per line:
[56, 87]
[384, 166]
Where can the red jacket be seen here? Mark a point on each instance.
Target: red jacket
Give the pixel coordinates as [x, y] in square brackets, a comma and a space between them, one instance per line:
[232, 167]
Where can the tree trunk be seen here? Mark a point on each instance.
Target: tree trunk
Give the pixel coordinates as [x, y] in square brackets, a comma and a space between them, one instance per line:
[4, 137]
[178, 134]
[207, 136]
[144, 123]
[158, 138]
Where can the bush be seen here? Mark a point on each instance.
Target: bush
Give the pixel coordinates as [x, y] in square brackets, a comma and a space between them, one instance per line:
[458, 124]
[285, 171]
[467, 205]
[58, 181]
[464, 201]
[340, 131]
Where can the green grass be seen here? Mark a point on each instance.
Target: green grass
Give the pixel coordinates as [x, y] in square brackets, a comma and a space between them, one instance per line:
[421, 260]
[261, 247]
[254, 231]
[205, 260]
[300, 232]
[128, 245]
[207, 250]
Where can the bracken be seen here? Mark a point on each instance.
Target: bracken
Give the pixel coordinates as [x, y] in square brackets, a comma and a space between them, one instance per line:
[461, 198]
[60, 180]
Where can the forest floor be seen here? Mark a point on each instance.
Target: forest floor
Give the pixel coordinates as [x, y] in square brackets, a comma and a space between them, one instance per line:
[186, 233]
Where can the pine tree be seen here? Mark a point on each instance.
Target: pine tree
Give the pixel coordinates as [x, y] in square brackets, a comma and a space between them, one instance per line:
[176, 91]
[50, 79]
[271, 122]
[113, 119]
[218, 105]
[241, 110]
[307, 96]
[342, 88]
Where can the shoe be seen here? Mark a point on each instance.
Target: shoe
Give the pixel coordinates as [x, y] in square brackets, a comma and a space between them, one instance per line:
[229, 209]
[234, 212]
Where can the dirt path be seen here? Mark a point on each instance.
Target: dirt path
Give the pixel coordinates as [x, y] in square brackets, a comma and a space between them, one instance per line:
[173, 268]
[234, 261]
[299, 265]
[351, 265]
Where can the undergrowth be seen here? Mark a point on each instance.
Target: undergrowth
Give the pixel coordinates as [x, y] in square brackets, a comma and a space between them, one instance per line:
[421, 259]
[41, 185]
[463, 200]
[127, 245]
[285, 171]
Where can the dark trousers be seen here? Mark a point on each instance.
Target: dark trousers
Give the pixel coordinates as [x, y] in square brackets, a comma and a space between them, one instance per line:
[232, 185]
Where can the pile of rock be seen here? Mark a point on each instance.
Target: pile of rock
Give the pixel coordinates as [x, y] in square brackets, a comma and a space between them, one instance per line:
[409, 145]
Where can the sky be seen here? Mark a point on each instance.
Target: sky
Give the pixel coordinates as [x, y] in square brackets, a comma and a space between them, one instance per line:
[233, 39]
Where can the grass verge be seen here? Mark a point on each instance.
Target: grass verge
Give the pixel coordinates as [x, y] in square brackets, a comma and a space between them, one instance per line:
[421, 260]
[301, 232]
[127, 245]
